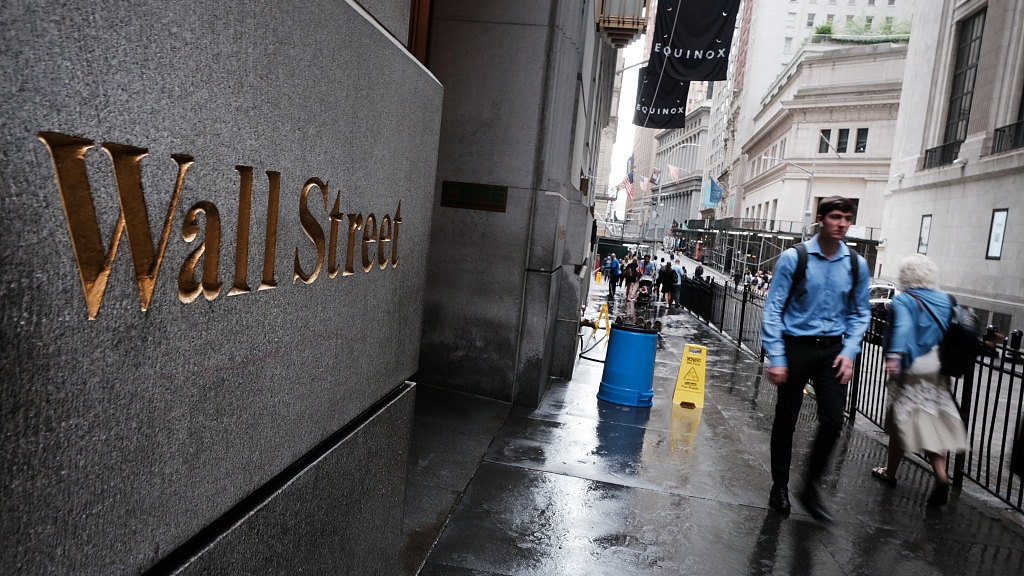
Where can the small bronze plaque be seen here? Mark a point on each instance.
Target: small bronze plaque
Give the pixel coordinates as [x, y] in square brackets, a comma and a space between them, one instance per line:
[474, 196]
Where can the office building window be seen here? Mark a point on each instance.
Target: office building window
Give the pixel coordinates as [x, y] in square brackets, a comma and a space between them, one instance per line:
[867, 22]
[871, 2]
[852, 2]
[844, 137]
[823, 140]
[892, 2]
[961, 94]
[849, 19]
[829, 18]
[810, 20]
[1020, 113]
[787, 46]
[862, 140]
[791, 19]
[832, 2]
[996, 233]
[924, 233]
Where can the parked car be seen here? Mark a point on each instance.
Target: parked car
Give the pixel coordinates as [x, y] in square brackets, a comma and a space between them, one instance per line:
[880, 294]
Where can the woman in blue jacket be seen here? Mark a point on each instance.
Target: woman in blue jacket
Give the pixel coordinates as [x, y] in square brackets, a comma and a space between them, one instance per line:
[922, 415]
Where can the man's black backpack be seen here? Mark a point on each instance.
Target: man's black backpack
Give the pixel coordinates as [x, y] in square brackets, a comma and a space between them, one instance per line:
[961, 341]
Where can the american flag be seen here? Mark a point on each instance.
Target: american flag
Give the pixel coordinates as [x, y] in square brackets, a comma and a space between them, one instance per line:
[628, 180]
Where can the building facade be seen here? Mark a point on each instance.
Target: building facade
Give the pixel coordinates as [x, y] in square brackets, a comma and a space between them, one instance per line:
[680, 160]
[214, 289]
[527, 94]
[605, 193]
[779, 29]
[958, 156]
[831, 115]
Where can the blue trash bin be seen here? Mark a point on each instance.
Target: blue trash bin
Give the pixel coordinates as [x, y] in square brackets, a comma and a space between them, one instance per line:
[628, 377]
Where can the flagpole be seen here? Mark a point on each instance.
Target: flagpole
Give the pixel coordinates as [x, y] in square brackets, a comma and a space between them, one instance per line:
[661, 174]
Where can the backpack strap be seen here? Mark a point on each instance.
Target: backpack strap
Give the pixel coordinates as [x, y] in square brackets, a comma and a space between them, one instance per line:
[799, 283]
[854, 269]
[799, 279]
[926, 308]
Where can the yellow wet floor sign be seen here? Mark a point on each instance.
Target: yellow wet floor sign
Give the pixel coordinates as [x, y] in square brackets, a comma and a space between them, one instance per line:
[690, 380]
[607, 323]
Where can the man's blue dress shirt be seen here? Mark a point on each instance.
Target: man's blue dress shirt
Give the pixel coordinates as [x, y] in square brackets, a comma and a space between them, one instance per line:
[826, 309]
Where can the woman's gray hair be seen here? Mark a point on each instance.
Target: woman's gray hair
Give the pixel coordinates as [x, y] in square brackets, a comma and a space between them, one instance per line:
[918, 271]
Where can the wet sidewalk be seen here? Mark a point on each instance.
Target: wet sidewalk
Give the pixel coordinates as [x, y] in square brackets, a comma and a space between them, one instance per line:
[581, 486]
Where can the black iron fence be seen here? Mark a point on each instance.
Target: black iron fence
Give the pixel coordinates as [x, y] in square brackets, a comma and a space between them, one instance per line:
[990, 395]
[1008, 137]
[735, 310]
[942, 155]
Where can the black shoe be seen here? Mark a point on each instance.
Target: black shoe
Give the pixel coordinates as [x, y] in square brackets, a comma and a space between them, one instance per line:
[940, 494]
[810, 500]
[778, 499]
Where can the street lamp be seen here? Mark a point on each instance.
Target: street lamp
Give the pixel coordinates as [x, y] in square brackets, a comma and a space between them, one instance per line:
[807, 198]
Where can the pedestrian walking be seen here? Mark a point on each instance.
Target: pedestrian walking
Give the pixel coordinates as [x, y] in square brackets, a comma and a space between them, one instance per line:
[678, 286]
[921, 416]
[648, 268]
[812, 327]
[632, 274]
[613, 274]
[667, 280]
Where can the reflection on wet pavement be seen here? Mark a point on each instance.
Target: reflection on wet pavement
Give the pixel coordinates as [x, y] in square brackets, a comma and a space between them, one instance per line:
[581, 486]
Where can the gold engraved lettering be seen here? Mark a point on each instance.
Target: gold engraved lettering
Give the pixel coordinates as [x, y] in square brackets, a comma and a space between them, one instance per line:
[384, 253]
[94, 263]
[128, 176]
[240, 285]
[394, 236]
[313, 231]
[188, 288]
[332, 247]
[369, 237]
[355, 222]
[270, 240]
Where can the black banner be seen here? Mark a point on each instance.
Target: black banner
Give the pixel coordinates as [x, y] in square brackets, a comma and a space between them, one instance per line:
[660, 104]
[692, 38]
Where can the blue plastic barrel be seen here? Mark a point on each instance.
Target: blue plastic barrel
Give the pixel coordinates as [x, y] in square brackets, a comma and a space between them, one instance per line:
[628, 377]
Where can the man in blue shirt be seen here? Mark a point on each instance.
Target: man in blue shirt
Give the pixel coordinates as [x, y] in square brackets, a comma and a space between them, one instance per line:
[815, 334]
[648, 268]
[614, 270]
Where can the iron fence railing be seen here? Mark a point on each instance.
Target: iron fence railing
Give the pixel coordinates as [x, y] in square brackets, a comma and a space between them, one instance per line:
[1008, 137]
[734, 310]
[990, 395]
[942, 155]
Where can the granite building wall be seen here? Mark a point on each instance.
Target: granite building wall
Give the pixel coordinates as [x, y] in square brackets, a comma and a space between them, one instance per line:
[211, 270]
[527, 85]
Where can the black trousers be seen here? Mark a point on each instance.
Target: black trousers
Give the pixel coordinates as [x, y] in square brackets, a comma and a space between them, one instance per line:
[814, 363]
